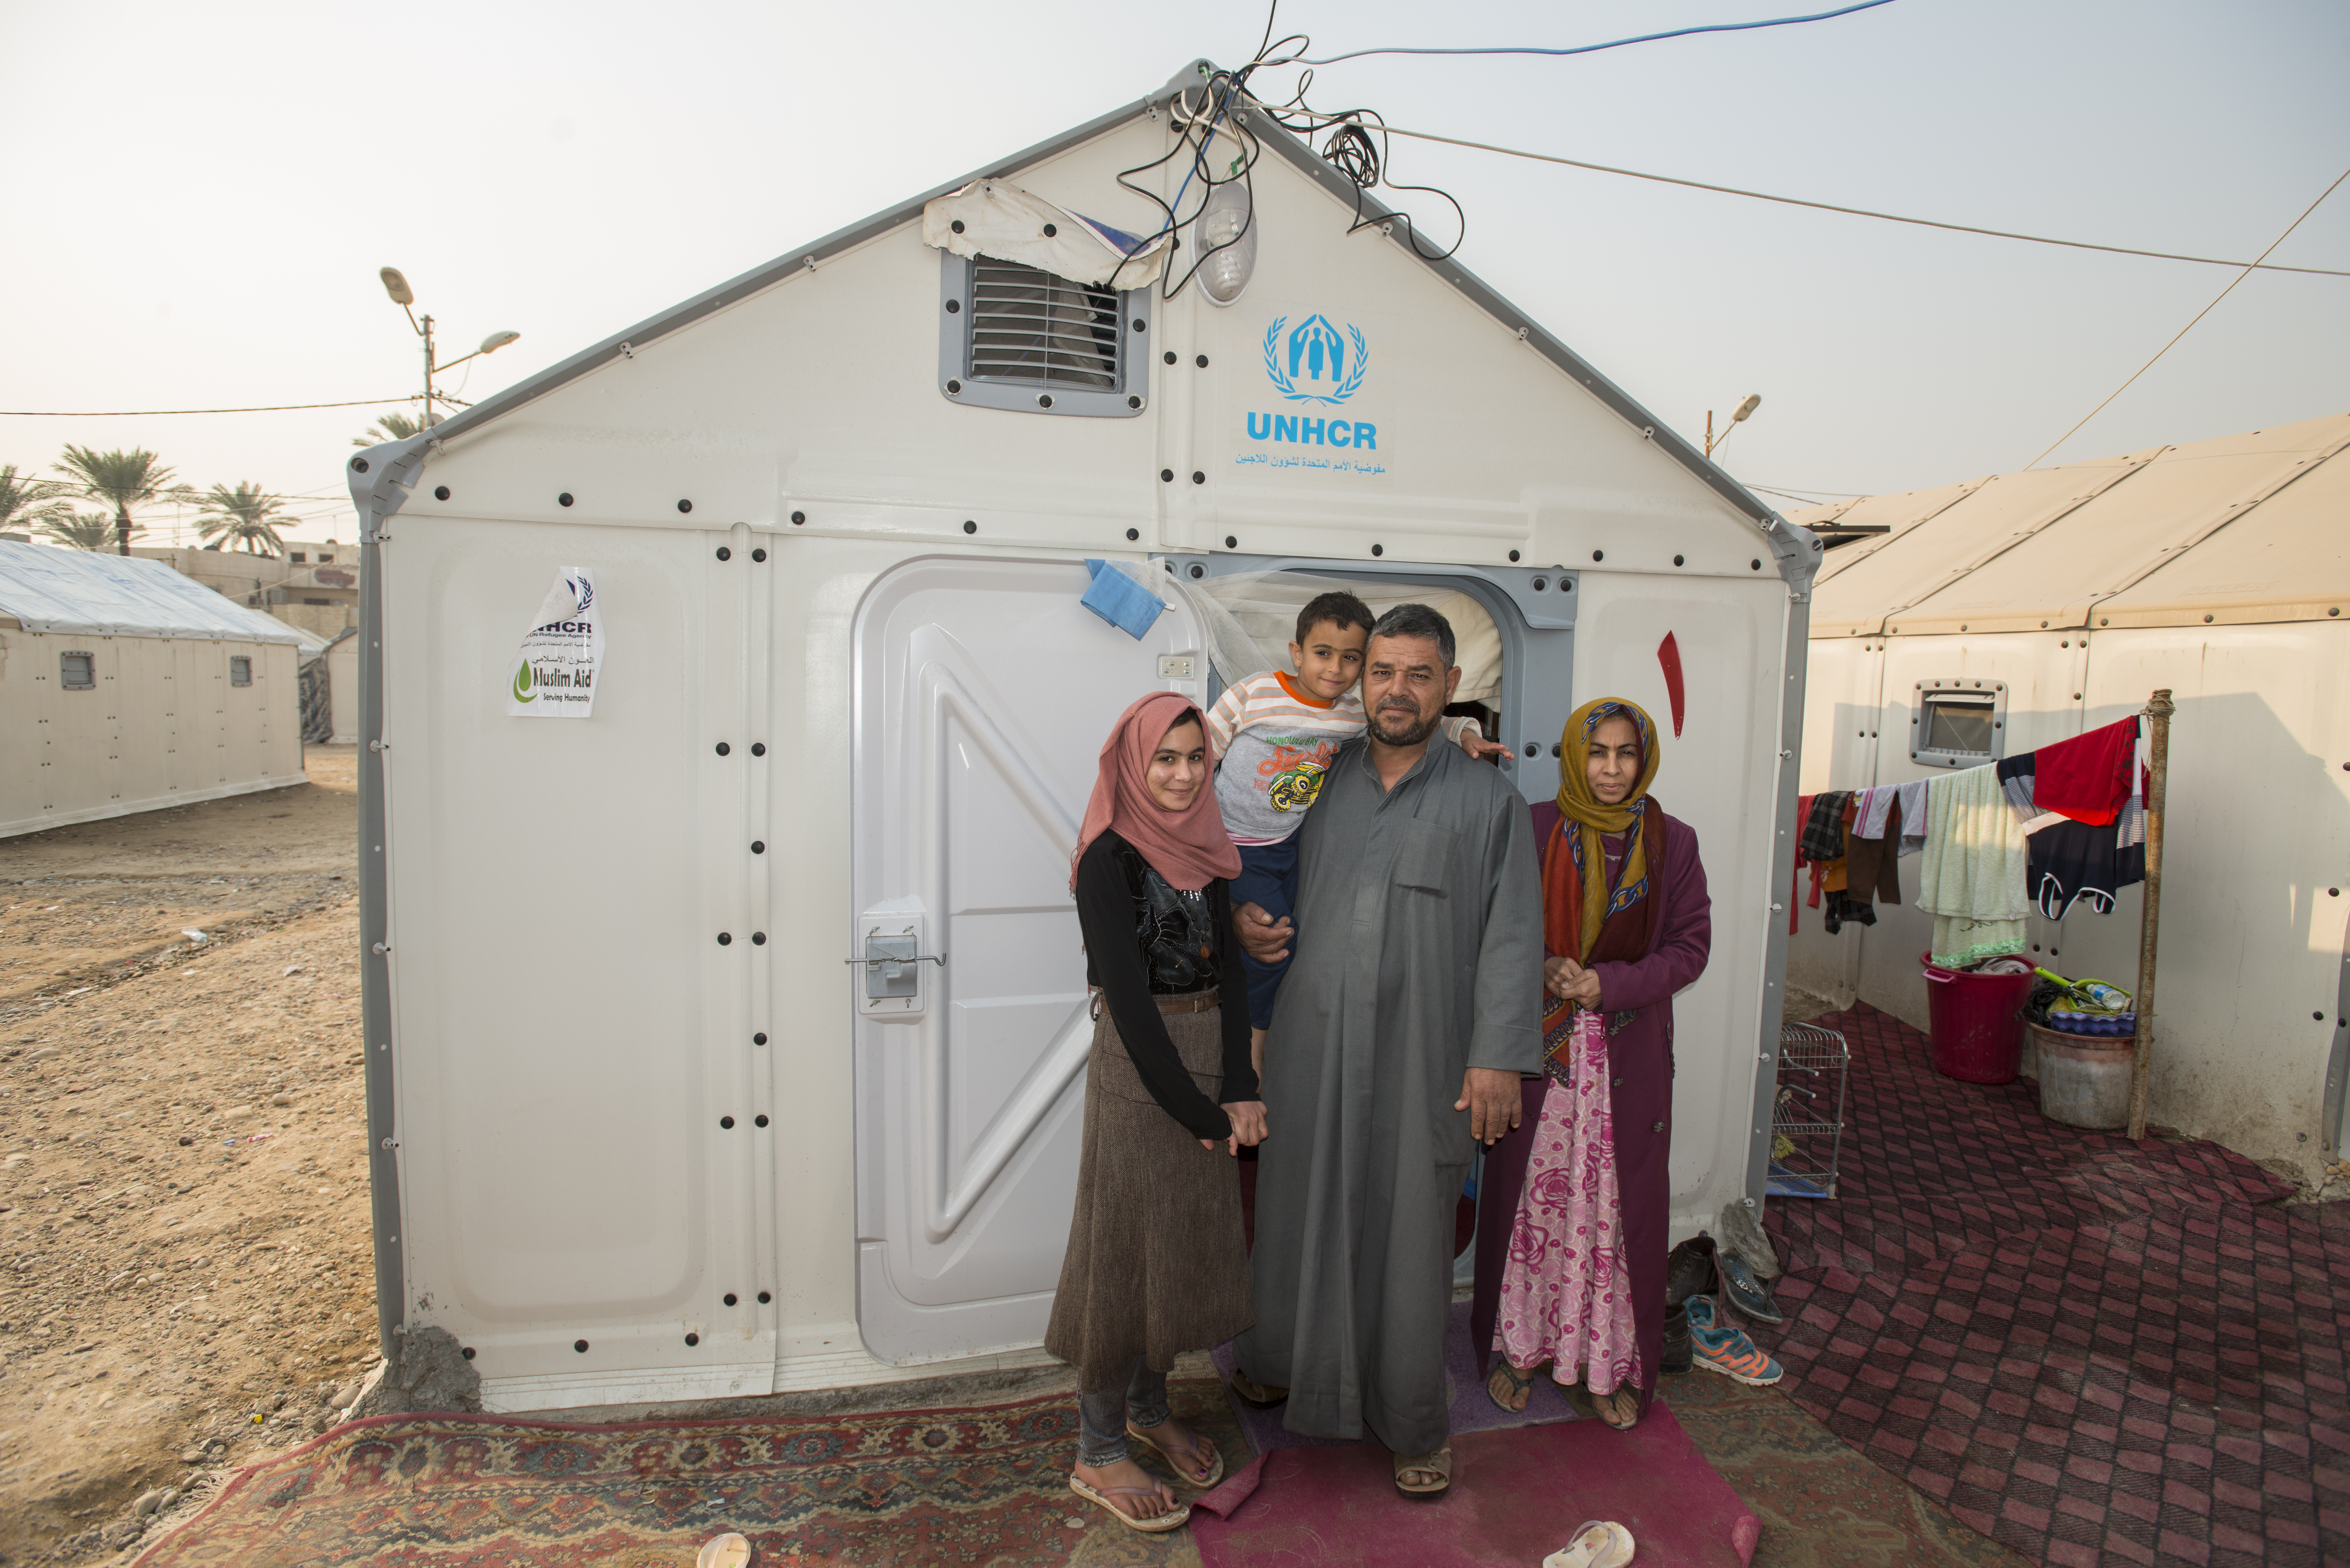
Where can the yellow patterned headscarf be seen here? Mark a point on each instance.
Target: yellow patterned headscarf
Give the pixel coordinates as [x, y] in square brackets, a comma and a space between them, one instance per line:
[1592, 816]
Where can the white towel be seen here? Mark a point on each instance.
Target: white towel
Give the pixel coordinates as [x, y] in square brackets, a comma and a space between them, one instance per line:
[1974, 880]
[1913, 814]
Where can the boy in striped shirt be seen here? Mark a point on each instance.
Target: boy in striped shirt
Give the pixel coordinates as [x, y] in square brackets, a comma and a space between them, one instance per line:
[1275, 734]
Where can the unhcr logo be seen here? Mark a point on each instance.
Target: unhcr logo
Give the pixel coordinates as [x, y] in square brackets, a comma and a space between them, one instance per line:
[1315, 363]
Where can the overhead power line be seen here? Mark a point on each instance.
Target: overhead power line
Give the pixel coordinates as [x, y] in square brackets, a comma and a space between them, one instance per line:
[2199, 315]
[131, 413]
[1613, 44]
[1850, 212]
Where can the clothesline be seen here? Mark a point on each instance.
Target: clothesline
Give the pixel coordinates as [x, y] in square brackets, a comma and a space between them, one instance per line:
[2047, 830]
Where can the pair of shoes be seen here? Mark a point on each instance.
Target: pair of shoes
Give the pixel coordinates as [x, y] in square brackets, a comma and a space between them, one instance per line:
[1718, 1347]
[1746, 1290]
[1676, 1358]
[1688, 1270]
[1433, 1471]
[1597, 1543]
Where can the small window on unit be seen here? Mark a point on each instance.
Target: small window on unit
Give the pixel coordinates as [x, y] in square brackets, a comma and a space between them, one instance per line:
[318, 601]
[240, 670]
[1019, 338]
[325, 559]
[297, 557]
[78, 671]
[1958, 723]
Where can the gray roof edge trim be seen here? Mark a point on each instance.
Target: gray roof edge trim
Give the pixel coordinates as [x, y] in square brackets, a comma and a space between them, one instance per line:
[1488, 299]
[799, 259]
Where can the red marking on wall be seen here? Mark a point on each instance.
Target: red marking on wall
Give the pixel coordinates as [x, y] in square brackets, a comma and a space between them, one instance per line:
[1668, 654]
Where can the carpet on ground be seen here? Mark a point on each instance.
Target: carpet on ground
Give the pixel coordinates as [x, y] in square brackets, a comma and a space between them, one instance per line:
[1471, 1410]
[966, 1488]
[2096, 1352]
[1516, 1497]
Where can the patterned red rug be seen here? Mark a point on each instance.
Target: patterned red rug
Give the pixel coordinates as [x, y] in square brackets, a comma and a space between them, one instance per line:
[962, 1487]
[2096, 1352]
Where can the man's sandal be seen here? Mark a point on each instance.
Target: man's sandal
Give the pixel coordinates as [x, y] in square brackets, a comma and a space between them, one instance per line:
[1263, 1396]
[1422, 1477]
[1158, 1524]
[1520, 1385]
[1215, 1458]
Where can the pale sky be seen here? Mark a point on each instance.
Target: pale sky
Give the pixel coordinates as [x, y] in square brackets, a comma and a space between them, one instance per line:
[201, 196]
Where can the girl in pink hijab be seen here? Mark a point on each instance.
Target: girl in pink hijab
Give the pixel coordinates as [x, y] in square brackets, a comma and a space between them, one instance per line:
[1156, 1263]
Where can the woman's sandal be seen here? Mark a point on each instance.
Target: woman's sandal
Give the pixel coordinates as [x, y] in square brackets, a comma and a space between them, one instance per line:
[1521, 1384]
[1158, 1524]
[1263, 1396]
[1215, 1457]
[1604, 1405]
[1434, 1472]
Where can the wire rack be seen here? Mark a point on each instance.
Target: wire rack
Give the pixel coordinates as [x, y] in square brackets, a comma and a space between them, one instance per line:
[1808, 1111]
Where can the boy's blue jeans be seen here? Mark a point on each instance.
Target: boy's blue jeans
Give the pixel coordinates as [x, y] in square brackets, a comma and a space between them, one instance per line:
[1268, 879]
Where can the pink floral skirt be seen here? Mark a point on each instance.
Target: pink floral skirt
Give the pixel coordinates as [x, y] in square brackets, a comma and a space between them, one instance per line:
[1565, 1291]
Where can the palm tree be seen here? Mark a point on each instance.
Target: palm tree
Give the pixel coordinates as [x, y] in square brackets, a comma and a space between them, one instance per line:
[122, 479]
[392, 426]
[84, 530]
[247, 516]
[25, 501]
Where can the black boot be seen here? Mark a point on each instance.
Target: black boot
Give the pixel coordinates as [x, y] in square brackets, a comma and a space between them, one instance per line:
[1678, 1356]
[1689, 1272]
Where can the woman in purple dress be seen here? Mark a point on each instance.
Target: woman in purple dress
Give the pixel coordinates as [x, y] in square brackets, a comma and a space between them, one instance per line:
[1571, 1210]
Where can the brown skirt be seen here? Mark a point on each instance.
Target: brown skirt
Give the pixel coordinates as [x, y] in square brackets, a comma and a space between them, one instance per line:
[1156, 1263]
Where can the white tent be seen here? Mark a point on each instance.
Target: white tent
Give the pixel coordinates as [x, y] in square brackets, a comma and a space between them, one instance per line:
[125, 686]
[645, 1122]
[2219, 569]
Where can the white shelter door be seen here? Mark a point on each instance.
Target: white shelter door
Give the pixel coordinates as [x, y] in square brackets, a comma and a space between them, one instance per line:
[983, 691]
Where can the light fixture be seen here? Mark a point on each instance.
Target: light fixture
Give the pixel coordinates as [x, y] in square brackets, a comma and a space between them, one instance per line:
[397, 287]
[497, 340]
[1753, 401]
[1225, 232]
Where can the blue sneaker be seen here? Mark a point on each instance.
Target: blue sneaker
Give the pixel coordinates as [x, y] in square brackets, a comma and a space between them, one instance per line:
[1718, 1347]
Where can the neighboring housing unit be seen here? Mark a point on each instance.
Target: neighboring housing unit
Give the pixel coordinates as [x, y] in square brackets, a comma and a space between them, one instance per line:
[124, 686]
[2219, 569]
[313, 585]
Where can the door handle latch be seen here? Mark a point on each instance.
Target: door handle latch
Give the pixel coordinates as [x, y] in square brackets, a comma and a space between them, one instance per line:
[892, 964]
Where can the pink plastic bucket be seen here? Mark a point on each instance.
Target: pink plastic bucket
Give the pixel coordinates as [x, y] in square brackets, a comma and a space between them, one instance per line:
[1975, 1023]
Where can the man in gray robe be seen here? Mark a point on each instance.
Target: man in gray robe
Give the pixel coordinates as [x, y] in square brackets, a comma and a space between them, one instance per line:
[1398, 1042]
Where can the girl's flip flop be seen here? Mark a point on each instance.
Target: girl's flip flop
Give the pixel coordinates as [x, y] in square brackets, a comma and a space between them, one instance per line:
[1215, 1458]
[1519, 1383]
[1173, 1519]
[1596, 1544]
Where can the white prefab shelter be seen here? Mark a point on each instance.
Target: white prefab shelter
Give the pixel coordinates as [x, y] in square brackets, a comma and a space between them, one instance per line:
[125, 686]
[645, 1123]
[2219, 569]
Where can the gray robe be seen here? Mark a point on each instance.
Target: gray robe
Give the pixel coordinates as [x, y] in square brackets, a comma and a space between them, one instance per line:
[1419, 955]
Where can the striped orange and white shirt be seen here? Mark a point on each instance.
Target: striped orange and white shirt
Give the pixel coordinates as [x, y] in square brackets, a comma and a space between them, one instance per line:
[1274, 743]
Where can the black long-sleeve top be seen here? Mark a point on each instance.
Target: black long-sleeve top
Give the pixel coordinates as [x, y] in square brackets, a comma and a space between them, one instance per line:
[1109, 886]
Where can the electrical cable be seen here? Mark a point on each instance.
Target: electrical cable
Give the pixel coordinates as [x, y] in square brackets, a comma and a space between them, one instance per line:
[1618, 43]
[130, 413]
[2199, 315]
[1850, 211]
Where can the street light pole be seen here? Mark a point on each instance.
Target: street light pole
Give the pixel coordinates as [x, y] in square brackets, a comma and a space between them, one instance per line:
[1738, 416]
[403, 296]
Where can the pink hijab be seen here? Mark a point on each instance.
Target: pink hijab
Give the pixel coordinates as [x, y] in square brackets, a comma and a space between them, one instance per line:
[1188, 848]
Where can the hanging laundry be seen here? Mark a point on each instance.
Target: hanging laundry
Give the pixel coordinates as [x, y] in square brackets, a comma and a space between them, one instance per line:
[1875, 806]
[2016, 779]
[1822, 834]
[2089, 777]
[1974, 878]
[1872, 860]
[1912, 797]
[2072, 862]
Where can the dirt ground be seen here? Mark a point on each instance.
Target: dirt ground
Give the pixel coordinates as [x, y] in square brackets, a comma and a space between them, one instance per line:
[186, 1270]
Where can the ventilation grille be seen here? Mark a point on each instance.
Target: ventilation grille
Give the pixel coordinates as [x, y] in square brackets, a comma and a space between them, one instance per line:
[1032, 326]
